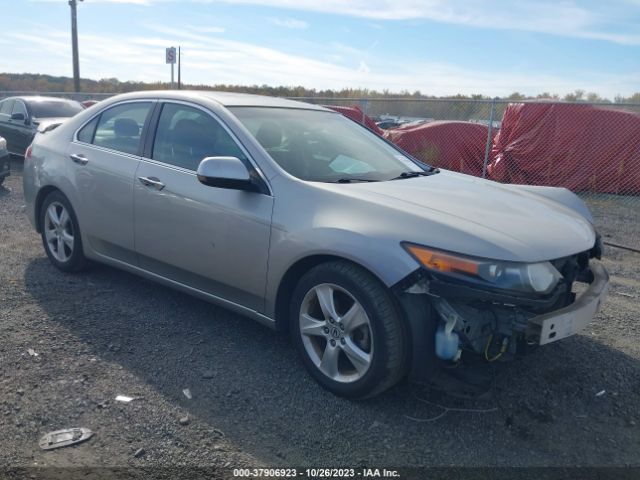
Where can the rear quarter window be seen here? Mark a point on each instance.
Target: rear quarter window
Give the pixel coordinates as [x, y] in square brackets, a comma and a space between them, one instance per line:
[86, 133]
[6, 107]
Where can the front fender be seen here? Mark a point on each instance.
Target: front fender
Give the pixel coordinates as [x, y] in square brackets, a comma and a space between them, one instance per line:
[383, 258]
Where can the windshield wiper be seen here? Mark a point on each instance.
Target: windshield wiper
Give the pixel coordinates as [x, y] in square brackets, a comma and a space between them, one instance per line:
[353, 180]
[413, 174]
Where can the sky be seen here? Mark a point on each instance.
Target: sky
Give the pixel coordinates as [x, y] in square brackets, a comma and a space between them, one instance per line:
[439, 47]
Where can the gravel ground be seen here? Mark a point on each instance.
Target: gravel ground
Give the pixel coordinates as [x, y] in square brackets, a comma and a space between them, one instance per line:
[106, 332]
[617, 218]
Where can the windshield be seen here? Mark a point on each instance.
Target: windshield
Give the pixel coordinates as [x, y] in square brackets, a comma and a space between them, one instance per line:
[323, 146]
[52, 108]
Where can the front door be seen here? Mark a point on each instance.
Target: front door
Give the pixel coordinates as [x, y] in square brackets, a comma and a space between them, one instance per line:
[22, 130]
[213, 239]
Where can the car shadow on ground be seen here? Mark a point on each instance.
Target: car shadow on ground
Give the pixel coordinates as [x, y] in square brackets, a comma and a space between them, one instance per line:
[543, 409]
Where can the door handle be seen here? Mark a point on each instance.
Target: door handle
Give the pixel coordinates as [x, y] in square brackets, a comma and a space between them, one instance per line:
[151, 182]
[79, 158]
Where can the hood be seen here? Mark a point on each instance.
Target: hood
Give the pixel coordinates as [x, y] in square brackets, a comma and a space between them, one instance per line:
[47, 124]
[472, 216]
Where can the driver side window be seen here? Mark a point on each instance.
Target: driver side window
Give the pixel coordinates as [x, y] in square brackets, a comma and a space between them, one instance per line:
[18, 107]
[185, 135]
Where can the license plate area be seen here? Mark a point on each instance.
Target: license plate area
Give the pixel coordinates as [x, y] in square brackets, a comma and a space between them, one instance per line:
[567, 324]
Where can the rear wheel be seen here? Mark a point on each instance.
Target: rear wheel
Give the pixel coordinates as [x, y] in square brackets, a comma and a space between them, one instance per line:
[61, 233]
[347, 330]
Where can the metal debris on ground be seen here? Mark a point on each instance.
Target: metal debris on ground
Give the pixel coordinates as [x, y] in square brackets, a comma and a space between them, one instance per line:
[625, 294]
[601, 393]
[64, 438]
[124, 399]
[32, 352]
[187, 393]
[140, 452]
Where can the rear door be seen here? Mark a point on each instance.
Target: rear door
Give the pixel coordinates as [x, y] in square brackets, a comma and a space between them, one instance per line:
[213, 239]
[103, 159]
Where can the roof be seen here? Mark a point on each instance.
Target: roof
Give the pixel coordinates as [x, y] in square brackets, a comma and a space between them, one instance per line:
[227, 99]
[231, 99]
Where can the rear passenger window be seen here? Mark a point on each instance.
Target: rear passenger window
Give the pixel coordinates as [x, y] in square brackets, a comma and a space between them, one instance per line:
[6, 107]
[186, 135]
[85, 134]
[120, 127]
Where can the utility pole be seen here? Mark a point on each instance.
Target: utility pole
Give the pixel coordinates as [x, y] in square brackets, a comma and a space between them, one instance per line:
[74, 43]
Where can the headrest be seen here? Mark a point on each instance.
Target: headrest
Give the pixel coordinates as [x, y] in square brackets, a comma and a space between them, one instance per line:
[126, 127]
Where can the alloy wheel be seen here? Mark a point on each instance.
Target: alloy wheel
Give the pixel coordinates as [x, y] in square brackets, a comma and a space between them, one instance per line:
[58, 230]
[336, 333]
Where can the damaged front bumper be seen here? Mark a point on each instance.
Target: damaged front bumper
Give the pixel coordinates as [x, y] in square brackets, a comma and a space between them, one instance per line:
[571, 319]
[495, 324]
[498, 325]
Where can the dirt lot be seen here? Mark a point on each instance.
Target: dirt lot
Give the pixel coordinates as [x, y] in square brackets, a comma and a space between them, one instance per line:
[105, 332]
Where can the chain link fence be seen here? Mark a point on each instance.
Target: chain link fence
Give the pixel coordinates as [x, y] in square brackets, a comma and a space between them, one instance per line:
[592, 149]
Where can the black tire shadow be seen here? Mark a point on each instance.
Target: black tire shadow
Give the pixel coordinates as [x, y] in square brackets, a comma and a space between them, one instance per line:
[262, 397]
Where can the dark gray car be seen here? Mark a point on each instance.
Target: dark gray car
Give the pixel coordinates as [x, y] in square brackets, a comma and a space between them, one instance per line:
[20, 118]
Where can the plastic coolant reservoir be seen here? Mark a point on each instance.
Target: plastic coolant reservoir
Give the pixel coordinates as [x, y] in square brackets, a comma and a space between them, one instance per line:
[447, 341]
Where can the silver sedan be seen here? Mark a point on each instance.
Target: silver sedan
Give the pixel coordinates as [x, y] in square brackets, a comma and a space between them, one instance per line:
[381, 267]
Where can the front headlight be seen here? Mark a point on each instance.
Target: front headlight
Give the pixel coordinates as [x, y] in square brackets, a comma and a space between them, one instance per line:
[539, 277]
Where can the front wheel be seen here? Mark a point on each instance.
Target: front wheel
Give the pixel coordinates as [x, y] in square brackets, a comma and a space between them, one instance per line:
[61, 233]
[348, 330]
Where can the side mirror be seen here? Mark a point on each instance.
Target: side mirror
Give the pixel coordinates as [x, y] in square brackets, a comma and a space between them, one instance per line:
[19, 117]
[225, 172]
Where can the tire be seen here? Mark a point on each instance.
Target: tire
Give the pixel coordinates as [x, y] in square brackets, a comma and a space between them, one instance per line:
[62, 242]
[368, 355]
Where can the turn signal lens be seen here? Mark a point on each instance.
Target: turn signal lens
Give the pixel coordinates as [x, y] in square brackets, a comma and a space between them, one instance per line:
[443, 262]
